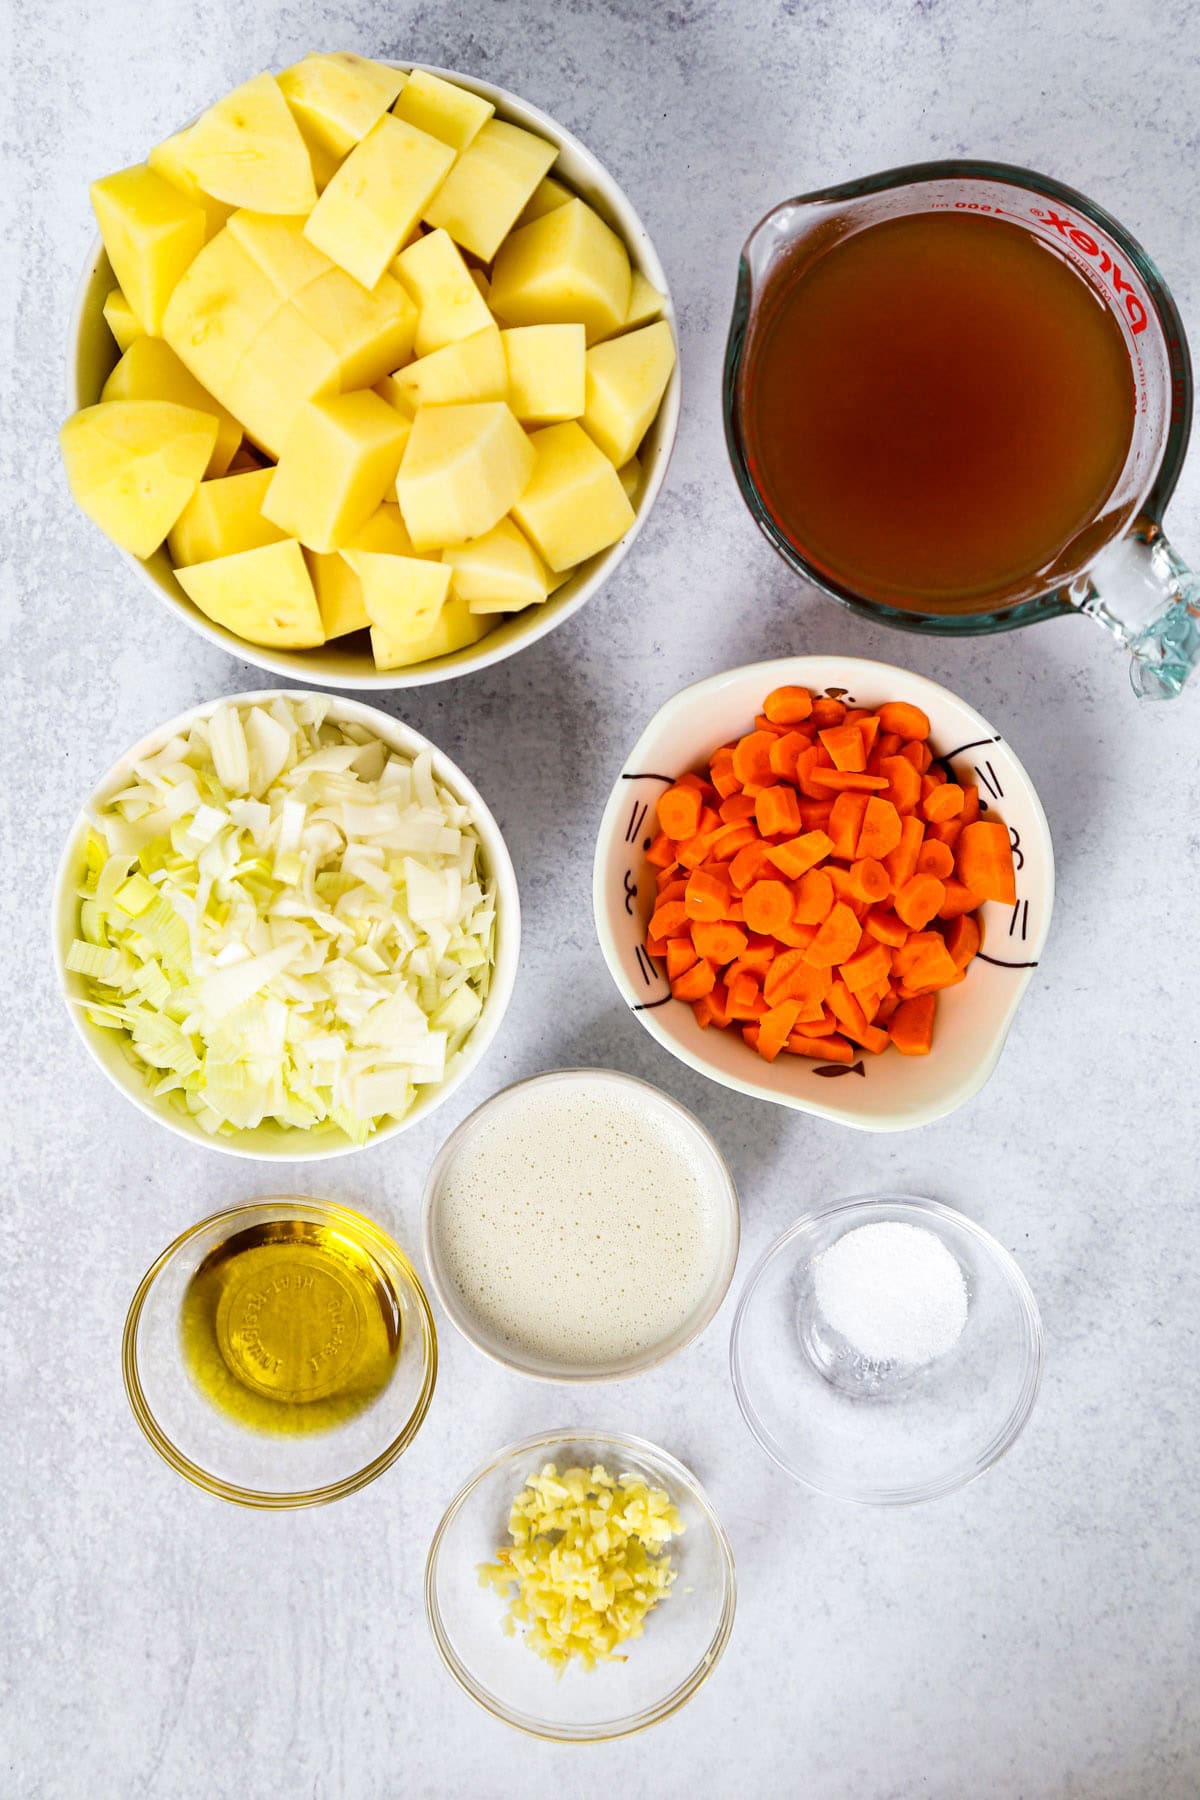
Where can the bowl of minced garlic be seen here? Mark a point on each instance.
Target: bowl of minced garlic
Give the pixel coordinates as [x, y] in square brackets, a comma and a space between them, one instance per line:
[549, 1579]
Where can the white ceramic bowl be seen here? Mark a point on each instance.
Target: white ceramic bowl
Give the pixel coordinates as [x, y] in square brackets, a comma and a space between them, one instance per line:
[273, 1143]
[885, 1093]
[337, 664]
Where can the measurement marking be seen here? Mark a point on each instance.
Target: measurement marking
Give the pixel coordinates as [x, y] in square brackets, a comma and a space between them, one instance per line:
[636, 821]
[649, 1005]
[1021, 911]
[991, 780]
[973, 745]
[648, 971]
[648, 775]
[1000, 963]
[1018, 853]
[630, 892]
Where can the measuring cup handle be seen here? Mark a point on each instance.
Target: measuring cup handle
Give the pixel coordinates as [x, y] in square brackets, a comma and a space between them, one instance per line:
[1143, 593]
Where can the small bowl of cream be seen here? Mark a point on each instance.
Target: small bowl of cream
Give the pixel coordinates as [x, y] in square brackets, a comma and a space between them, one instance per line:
[580, 1226]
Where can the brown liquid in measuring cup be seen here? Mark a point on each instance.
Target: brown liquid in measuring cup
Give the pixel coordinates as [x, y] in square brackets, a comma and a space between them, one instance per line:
[935, 409]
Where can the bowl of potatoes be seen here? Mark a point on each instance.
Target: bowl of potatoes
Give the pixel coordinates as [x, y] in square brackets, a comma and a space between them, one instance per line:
[374, 374]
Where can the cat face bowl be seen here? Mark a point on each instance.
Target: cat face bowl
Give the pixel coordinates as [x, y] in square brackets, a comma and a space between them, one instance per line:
[887, 1092]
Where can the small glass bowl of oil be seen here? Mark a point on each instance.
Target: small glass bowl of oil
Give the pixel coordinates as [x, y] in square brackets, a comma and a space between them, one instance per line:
[281, 1353]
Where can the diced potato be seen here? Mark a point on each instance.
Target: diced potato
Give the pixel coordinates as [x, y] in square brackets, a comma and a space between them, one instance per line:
[498, 572]
[150, 370]
[389, 389]
[133, 465]
[546, 372]
[216, 312]
[626, 380]
[574, 504]
[446, 111]
[488, 186]
[166, 159]
[567, 266]
[152, 233]
[377, 196]
[337, 98]
[266, 596]
[370, 332]
[463, 467]
[472, 369]
[403, 595]
[338, 461]
[121, 320]
[479, 277]
[277, 243]
[287, 365]
[248, 151]
[449, 304]
[223, 518]
[339, 594]
[455, 628]
[630, 477]
[545, 197]
[645, 303]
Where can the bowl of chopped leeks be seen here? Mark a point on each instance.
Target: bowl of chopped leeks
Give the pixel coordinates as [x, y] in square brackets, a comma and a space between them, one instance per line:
[286, 925]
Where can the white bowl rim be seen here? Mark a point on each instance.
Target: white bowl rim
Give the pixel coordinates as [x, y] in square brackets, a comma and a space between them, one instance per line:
[775, 672]
[291, 664]
[1007, 1264]
[403, 736]
[689, 1483]
[565, 1375]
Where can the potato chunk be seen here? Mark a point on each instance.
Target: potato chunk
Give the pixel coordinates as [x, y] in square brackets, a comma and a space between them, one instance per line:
[151, 233]
[121, 319]
[150, 370]
[626, 380]
[488, 186]
[339, 594]
[336, 98]
[377, 196]
[568, 266]
[403, 595]
[463, 467]
[133, 465]
[574, 504]
[498, 572]
[338, 461]
[645, 303]
[452, 114]
[266, 596]
[223, 518]
[247, 150]
[216, 312]
[450, 305]
[474, 368]
[454, 628]
[546, 372]
[166, 159]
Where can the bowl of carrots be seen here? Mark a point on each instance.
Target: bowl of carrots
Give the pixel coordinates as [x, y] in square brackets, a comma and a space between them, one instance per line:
[826, 882]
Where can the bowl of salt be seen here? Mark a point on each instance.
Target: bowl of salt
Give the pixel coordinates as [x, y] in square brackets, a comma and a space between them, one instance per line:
[886, 1350]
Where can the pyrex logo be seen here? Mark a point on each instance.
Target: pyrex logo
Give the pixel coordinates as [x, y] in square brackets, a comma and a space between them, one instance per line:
[1083, 240]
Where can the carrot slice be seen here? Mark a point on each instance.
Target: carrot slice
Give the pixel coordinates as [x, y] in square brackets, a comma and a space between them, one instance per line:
[827, 711]
[959, 900]
[843, 781]
[768, 906]
[661, 852]
[681, 954]
[814, 898]
[880, 831]
[822, 1049]
[749, 864]
[845, 823]
[906, 720]
[736, 806]
[846, 747]
[945, 802]
[788, 705]
[718, 941]
[775, 1026]
[934, 967]
[970, 811]
[837, 938]
[790, 977]
[725, 844]
[984, 861]
[752, 760]
[695, 982]
[800, 854]
[885, 927]
[946, 831]
[904, 782]
[918, 900]
[710, 1009]
[901, 863]
[935, 858]
[784, 752]
[869, 880]
[723, 777]
[669, 919]
[674, 889]
[963, 939]
[745, 999]
[918, 754]
[679, 811]
[911, 1026]
[867, 968]
[814, 814]
[807, 764]
[707, 898]
[777, 810]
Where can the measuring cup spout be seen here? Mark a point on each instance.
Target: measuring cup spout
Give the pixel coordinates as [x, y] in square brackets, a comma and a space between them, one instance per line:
[1144, 595]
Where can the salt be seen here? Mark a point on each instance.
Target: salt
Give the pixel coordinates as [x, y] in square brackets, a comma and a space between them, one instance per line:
[893, 1291]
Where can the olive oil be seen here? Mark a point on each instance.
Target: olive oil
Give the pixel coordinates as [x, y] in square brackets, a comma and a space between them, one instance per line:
[290, 1327]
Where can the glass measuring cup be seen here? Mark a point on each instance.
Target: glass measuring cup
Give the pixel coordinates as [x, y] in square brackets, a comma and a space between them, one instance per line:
[1120, 570]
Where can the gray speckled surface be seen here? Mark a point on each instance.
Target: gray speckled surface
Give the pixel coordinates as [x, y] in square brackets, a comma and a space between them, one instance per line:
[1035, 1635]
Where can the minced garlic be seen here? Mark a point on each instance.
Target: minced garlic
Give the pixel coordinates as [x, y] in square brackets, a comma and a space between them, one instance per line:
[587, 1562]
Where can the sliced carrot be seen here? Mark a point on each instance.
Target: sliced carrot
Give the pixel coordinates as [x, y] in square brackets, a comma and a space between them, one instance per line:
[752, 760]
[718, 941]
[679, 811]
[736, 806]
[784, 752]
[918, 900]
[970, 811]
[707, 898]
[655, 946]
[885, 927]
[800, 854]
[963, 939]
[984, 861]
[845, 823]
[906, 720]
[768, 906]
[681, 954]
[814, 898]
[911, 1026]
[745, 999]
[901, 863]
[868, 724]
[845, 746]
[723, 777]
[711, 1009]
[911, 951]
[837, 938]
[822, 1049]
[796, 936]
[918, 754]
[814, 814]
[827, 711]
[904, 783]
[775, 1027]
[843, 781]
[695, 982]
[880, 830]
[870, 965]
[675, 889]
[946, 831]
[725, 844]
[788, 705]
[762, 723]
[661, 852]
[790, 977]
[934, 967]
[665, 877]
[759, 954]
[777, 810]
[959, 900]
[945, 802]
[670, 918]
[807, 763]
[850, 1016]
[869, 880]
[886, 1008]
[749, 864]
[935, 858]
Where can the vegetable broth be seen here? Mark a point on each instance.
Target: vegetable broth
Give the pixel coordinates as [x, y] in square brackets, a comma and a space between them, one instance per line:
[936, 410]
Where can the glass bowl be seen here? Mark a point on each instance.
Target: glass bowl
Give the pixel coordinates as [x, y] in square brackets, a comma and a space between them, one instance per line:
[259, 1468]
[879, 1433]
[483, 1333]
[683, 1640]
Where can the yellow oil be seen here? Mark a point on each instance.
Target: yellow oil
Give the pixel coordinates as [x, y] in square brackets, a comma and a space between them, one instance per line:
[290, 1327]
